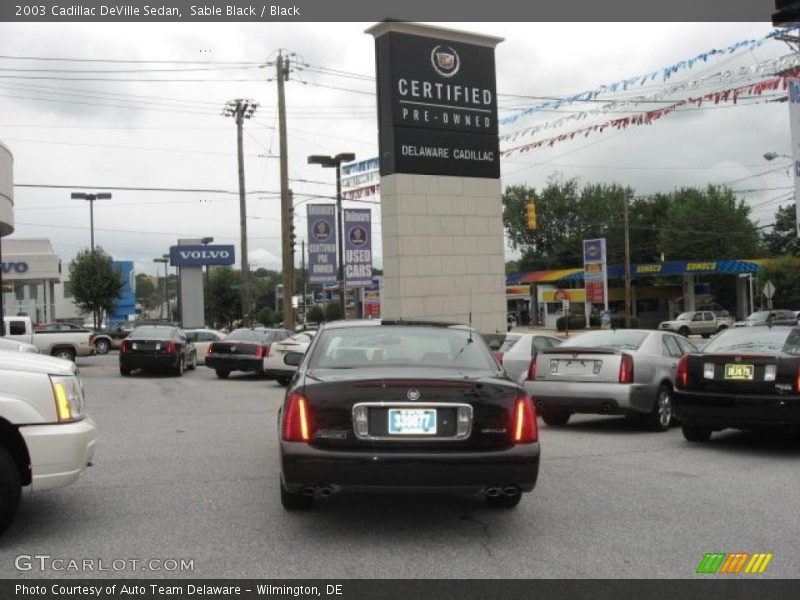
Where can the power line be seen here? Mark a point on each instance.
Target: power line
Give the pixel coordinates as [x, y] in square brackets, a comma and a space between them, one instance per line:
[125, 61]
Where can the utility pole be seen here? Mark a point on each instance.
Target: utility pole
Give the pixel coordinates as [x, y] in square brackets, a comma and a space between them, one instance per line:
[303, 275]
[242, 109]
[627, 266]
[281, 76]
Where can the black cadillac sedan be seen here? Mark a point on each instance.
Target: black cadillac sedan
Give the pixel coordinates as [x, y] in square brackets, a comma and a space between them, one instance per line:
[243, 350]
[747, 378]
[156, 348]
[398, 405]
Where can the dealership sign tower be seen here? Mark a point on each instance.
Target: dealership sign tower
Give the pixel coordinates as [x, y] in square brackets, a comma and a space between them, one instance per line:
[441, 207]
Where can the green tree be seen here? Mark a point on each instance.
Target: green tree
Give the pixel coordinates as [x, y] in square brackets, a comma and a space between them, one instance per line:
[567, 215]
[266, 316]
[146, 292]
[96, 284]
[782, 240]
[333, 311]
[784, 273]
[710, 223]
[223, 295]
[316, 314]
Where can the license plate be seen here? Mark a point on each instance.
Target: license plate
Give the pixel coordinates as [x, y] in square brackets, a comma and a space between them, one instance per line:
[412, 421]
[740, 372]
[575, 367]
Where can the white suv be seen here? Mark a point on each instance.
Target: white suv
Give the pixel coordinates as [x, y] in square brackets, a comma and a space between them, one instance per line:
[46, 438]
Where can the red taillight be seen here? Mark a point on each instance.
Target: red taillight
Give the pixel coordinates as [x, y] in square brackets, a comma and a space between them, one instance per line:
[210, 349]
[124, 346]
[91, 339]
[797, 378]
[170, 349]
[682, 378]
[296, 419]
[498, 356]
[626, 369]
[532, 369]
[262, 351]
[525, 429]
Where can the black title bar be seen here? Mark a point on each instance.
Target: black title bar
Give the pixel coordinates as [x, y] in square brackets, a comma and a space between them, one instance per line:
[377, 10]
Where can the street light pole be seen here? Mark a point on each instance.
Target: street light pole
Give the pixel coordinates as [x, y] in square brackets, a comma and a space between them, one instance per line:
[90, 198]
[166, 297]
[336, 162]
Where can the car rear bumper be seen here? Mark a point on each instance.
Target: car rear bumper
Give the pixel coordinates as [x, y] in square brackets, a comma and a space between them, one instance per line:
[303, 465]
[719, 411]
[133, 361]
[59, 452]
[251, 364]
[592, 398]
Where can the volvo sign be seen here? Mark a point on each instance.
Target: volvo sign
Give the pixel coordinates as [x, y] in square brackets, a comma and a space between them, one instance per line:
[437, 106]
[199, 255]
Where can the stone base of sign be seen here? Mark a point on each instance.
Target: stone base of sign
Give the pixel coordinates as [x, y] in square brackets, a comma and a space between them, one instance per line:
[443, 250]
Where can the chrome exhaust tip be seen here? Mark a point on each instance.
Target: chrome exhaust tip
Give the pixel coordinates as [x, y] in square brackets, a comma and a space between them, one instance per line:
[493, 492]
[511, 490]
[308, 491]
[325, 491]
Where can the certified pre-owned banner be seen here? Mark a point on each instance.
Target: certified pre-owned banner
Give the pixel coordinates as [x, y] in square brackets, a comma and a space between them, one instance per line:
[358, 247]
[322, 243]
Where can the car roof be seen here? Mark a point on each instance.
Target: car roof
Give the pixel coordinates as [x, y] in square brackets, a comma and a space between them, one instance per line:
[395, 322]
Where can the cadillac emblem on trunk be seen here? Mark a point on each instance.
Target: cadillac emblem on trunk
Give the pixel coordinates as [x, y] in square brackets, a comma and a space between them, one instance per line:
[413, 394]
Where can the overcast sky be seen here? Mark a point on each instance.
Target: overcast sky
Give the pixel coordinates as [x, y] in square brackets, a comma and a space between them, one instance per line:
[170, 133]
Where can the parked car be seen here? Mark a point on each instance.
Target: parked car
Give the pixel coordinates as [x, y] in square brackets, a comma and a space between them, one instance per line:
[47, 438]
[392, 405]
[243, 349]
[743, 379]
[768, 318]
[517, 359]
[106, 339]
[15, 346]
[702, 322]
[62, 340]
[275, 367]
[614, 372]
[156, 348]
[202, 339]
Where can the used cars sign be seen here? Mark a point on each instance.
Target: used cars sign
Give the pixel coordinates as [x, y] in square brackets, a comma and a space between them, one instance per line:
[196, 256]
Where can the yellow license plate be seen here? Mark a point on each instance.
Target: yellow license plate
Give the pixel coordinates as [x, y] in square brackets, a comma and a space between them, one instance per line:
[741, 372]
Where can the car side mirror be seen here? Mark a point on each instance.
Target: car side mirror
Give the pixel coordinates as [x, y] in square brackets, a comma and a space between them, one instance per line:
[293, 359]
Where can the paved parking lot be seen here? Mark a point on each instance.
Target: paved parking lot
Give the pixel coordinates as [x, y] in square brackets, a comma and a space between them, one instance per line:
[186, 468]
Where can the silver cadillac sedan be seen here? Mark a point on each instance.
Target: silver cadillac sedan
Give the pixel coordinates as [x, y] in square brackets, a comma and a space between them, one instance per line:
[612, 372]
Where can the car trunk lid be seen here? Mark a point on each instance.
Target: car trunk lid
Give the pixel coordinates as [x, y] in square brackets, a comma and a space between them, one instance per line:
[586, 364]
[420, 409]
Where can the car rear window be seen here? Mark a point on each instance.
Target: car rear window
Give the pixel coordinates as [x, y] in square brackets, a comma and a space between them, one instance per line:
[509, 342]
[619, 339]
[351, 347]
[778, 340]
[152, 333]
[256, 335]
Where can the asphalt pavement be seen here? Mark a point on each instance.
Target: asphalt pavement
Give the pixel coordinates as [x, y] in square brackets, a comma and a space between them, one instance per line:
[187, 469]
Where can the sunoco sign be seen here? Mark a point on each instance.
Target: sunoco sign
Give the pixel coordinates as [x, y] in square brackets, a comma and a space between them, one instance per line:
[197, 256]
[437, 107]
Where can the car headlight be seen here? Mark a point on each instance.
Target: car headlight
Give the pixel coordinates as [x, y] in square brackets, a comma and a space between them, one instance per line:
[68, 396]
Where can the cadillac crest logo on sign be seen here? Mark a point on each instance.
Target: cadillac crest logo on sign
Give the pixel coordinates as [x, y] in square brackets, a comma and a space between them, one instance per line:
[445, 60]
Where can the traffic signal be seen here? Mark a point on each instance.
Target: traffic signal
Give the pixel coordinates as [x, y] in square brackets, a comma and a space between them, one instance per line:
[530, 211]
[788, 13]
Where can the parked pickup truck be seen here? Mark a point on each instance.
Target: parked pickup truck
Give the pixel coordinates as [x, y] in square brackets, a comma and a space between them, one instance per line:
[53, 339]
[46, 437]
[701, 322]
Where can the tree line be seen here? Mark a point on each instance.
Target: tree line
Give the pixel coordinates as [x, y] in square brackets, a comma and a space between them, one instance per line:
[689, 223]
